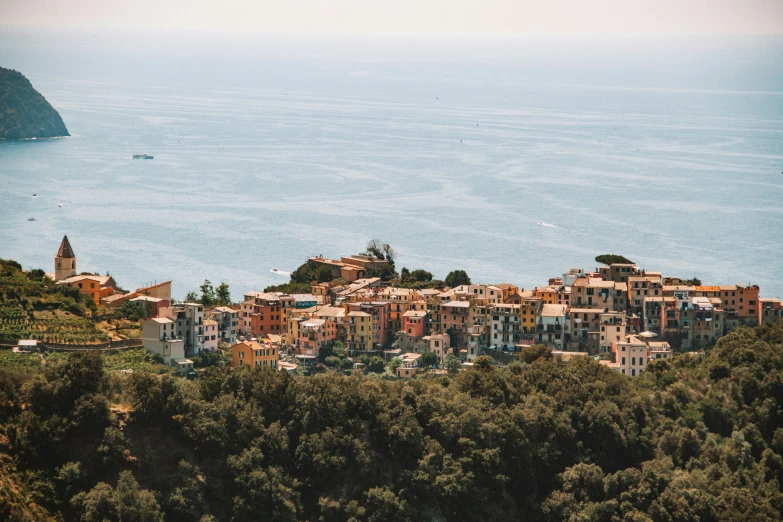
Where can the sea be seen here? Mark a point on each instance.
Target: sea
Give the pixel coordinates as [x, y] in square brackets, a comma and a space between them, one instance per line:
[513, 159]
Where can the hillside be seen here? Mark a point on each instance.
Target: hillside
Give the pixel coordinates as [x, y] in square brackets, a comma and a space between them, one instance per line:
[24, 112]
[696, 438]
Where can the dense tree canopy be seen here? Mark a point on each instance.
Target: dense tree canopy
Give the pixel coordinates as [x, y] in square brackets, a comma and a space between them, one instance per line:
[698, 438]
[610, 259]
[457, 278]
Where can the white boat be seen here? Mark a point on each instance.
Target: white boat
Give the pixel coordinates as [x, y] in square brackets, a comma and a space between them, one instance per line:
[540, 223]
[142, 156]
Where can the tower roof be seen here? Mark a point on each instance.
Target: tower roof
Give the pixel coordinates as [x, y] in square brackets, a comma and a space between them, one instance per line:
[65, 249]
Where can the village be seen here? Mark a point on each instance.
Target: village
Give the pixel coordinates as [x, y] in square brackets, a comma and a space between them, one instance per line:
[620, 314]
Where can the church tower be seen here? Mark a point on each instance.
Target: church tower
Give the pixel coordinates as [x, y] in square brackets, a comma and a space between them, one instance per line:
[64, 261]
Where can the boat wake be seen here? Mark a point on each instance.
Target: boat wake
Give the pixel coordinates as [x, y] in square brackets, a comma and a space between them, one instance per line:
[280, 272]
[549, 225]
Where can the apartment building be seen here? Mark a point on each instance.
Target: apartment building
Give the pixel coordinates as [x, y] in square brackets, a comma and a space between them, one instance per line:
[189, 320]
[360, 332]
[552, 326]
[228, 322]
[630, 355]
[255, 355]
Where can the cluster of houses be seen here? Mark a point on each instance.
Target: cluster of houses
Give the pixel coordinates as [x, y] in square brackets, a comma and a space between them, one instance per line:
[629, 314]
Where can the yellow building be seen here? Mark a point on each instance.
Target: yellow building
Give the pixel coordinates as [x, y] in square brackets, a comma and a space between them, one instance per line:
[360, 330]
[250, 353]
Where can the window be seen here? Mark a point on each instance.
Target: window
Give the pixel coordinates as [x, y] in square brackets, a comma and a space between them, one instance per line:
[623, 360]
[633, 360]
[241, 355]
[633, 373]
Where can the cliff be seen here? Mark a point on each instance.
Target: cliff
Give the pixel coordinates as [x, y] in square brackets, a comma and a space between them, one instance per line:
[24, 112]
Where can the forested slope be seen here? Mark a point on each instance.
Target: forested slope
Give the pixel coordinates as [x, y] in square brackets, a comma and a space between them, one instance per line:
[699, 438]
[24, 112]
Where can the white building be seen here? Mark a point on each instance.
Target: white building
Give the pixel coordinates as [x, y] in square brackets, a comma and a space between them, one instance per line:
[552, 326]
[505, 326]
[189, 319]
[159, 336]
[228, 323]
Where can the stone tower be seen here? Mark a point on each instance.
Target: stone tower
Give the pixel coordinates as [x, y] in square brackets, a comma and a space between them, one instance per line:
[64, 261]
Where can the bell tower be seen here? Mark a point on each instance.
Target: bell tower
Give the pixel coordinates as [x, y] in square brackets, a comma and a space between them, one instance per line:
[64, 261]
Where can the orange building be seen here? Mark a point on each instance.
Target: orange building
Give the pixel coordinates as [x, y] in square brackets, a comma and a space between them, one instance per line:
[255, 355]
[94, 286]
[262, 314]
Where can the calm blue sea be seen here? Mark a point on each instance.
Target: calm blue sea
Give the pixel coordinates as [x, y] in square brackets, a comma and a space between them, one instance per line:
[269, 150]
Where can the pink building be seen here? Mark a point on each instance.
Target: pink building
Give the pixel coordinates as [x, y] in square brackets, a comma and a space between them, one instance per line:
[382, 335]
[211, 334]
[413, 323]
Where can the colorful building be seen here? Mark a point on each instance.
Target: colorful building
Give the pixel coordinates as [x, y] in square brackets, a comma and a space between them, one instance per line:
[255, 355]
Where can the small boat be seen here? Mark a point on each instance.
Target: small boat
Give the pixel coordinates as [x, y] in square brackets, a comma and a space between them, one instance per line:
[59, 205]
[30, 219]
[540, 223]
[35, 195]
[142, 156]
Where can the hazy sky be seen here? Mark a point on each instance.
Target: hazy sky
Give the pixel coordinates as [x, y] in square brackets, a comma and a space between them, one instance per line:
[481, 17]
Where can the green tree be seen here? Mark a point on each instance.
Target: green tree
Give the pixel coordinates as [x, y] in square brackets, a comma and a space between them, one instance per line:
[394, 364]
[529, 354]
[457, 278]
[191, 297]
[611, 259]
[421, 276]
[453, 364]
[207, 294]
[429, 359]
[222, 295]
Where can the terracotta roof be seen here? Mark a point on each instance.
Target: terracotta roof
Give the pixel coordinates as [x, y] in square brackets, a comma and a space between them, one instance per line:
[65, 248]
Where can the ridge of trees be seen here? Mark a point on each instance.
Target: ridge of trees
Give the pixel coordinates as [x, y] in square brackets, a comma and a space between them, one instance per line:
[697, 438]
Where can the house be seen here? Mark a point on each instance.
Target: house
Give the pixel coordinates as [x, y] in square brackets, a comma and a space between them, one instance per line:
[95, 287]
[454, 321]
[771, 310]
[381, 333]
[641, 286]
[262, 313]
[189, 320]
[659, 350]
[228, 322]
[409, 366]
[439, 344]
[702, 322]
[26, 345]
[612, 329]
[506, 326]
[159, 291]
[592, 292]
[630, 355]
[413, 322]
[552, 327]
[359, 335]
[255, 355]
[315, 334]
[211, 335]
[159, 336]
[351, 268]
[151, 306]
[618, 272]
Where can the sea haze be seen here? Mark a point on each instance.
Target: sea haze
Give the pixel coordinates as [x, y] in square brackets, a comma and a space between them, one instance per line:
[269, 150]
